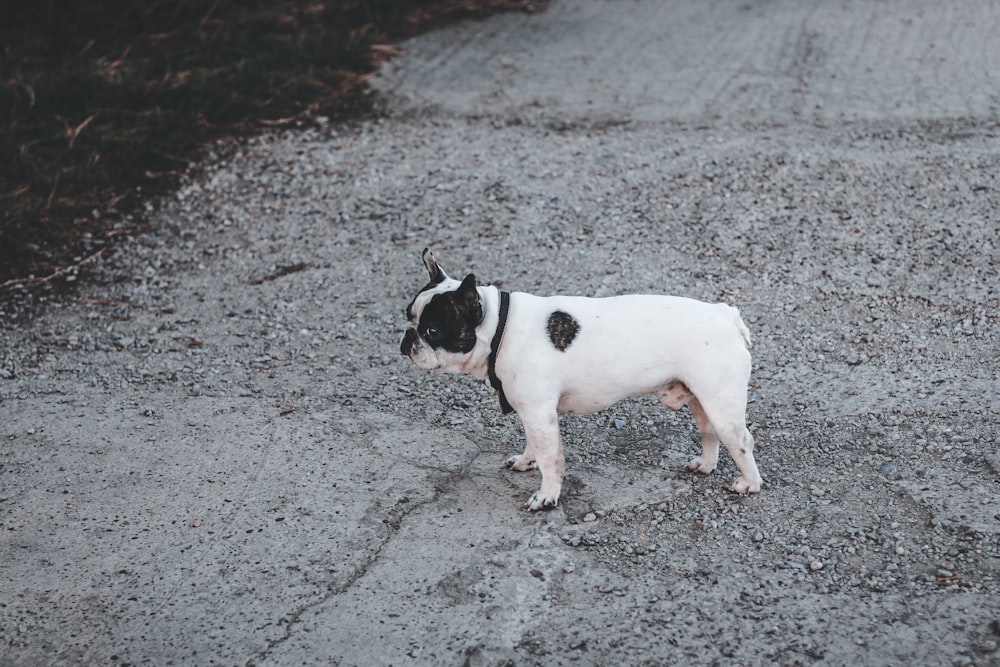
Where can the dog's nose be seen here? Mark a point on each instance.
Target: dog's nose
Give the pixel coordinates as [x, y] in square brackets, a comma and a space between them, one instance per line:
[406, 345]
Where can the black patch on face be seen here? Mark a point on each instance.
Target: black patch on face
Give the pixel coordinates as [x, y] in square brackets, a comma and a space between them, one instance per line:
[562, 329]
[409, 306]
[449, 320]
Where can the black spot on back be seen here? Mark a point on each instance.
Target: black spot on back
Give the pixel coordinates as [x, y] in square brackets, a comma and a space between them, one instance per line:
[562, 329]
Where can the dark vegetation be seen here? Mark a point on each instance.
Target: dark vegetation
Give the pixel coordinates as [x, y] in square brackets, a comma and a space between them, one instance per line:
[106, 99]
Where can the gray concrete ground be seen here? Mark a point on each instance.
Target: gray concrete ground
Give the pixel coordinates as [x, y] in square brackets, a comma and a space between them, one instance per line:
[213, 453]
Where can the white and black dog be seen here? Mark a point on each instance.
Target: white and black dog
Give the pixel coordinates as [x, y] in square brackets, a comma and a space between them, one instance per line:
[546, 355]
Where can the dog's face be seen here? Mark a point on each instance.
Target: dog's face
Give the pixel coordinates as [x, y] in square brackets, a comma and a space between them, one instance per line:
[443, 318]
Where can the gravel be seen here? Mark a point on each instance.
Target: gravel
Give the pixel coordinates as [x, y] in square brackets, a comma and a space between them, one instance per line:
[213, 451]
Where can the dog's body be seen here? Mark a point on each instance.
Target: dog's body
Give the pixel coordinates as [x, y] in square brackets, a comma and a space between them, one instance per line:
[580, 355]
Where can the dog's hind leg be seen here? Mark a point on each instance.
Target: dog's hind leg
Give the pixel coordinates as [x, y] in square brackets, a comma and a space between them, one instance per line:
[740, 443]
[724, 405]
[675, 396]
[709, 440]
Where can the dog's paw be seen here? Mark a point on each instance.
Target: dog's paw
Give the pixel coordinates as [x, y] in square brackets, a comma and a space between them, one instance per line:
[541, 501]
[520, 463]
[741, 485]
[699, 465]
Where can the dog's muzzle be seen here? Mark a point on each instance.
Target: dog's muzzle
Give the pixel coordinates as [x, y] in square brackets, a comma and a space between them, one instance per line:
[410, 339]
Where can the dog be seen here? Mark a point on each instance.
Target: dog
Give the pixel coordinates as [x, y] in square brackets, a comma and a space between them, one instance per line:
[577, 355]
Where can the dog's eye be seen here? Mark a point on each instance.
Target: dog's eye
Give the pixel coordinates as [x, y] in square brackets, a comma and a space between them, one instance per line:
[431, 332]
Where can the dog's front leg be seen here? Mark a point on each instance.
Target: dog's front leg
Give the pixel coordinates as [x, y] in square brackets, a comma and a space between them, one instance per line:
[541, 430]
[522, 462]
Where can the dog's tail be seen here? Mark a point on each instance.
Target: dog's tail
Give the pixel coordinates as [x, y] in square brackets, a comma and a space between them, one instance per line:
[740, 326]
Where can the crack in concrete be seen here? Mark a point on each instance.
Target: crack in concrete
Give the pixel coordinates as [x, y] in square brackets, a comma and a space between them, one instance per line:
[393, 520]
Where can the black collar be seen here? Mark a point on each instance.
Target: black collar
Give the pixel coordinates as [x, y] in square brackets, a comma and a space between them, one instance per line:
[495, 349]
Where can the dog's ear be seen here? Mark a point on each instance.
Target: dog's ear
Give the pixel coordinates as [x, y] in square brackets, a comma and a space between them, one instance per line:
[436, 273]
[468, 298]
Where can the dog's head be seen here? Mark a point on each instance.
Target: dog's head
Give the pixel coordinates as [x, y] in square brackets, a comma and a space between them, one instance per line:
[443, 318]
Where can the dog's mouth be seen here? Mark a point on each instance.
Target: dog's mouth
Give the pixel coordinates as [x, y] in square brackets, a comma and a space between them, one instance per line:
[414, 348]
[409, 341]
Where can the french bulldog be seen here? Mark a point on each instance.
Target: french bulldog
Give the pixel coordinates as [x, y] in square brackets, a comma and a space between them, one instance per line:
[577, 355]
